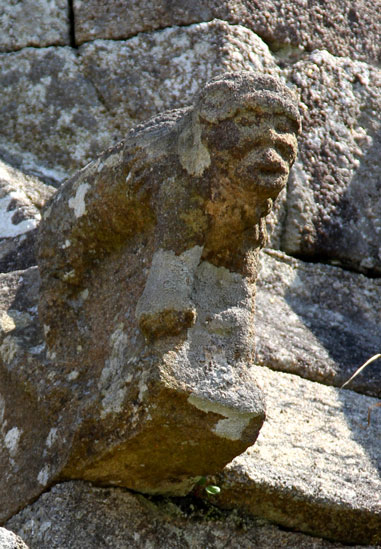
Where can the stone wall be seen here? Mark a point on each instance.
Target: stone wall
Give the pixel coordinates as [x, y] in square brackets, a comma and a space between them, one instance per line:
[75, 77]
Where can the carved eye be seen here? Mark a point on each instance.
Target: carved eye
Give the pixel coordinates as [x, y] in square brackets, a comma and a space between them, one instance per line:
[249, 119]
[284, 124]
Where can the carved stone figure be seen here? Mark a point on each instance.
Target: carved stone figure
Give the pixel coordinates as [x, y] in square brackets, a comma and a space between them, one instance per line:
[202, 176]
[148, 263]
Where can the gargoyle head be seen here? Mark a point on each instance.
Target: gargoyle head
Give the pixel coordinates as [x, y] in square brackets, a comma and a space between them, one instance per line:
[242, 138]
[250, 124]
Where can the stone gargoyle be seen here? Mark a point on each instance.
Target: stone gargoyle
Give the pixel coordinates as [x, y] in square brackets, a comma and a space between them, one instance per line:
[148, 261]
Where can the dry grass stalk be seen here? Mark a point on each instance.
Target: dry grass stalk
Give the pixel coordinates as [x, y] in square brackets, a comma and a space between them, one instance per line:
[372, 359]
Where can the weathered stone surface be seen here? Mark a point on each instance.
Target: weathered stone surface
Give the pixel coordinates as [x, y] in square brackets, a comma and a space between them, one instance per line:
[318, 321]
[9, 540]
[339, 26]
[170, 65]
[54, 101]
[334, 206]
[21, 199]
[42, 406]
[84, 101]
[314, 467]
[163, 358]
[35, 23]
[81, 516]
[173, 218]
[112, 20]
[33, 425]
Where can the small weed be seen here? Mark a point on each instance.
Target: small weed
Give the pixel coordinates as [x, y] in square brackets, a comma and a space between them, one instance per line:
[210, 489]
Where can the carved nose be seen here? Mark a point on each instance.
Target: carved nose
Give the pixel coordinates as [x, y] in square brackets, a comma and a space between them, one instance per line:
[271, 161]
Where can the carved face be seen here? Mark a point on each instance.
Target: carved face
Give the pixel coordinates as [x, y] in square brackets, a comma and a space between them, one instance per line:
[255, 149]
[268, 147]
[251, 153]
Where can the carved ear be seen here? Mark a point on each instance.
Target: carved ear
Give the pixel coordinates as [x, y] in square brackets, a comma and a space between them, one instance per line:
[194, 156]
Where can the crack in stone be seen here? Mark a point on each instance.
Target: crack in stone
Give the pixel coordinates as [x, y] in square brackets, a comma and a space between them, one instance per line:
[281, 57]
[32, 47]
[154, 29]
[332, 262]
[73, 43]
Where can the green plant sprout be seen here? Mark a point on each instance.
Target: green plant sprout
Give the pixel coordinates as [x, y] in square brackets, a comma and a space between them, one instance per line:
[210, 489]
[369, 361]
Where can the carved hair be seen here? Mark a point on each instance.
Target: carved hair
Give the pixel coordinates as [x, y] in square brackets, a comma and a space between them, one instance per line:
[223, 96]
